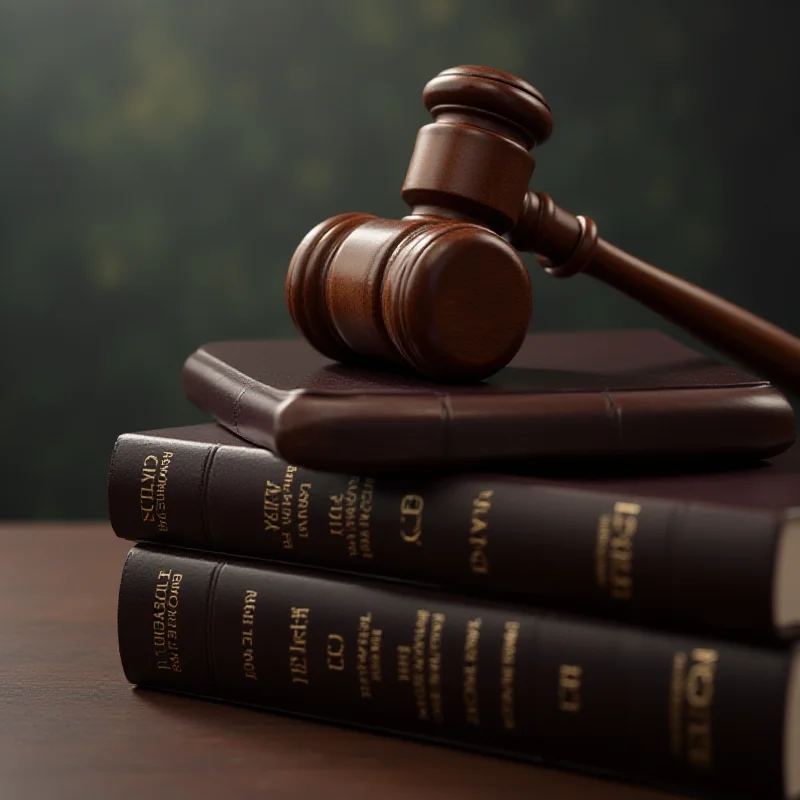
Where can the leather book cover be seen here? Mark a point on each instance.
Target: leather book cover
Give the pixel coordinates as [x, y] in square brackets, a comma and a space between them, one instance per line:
[615, 394]
[688, 712]
[713, 551]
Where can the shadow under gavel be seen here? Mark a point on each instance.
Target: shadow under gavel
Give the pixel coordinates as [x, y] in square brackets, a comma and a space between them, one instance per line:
[444, 291]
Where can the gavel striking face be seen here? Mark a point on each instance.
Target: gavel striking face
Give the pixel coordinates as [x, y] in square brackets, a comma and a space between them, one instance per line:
[441, 291]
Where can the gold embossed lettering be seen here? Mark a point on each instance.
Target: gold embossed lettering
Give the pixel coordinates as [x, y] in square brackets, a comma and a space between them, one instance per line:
[365, 518]
[470, 672]
[364, 626]
[336, 515]
[298, 645]
[435, 666]
[351, 515]
[478, 532]
[692, 699]
[166, 602]
[507, 674]
[411, 507]
[614, 549]
[161, 491]
[248, 627]
[335, 652]
[160, 619]
[287, 507]
[403, 663]
[303, 501]
[375, 644]
[147, 504]
[272, 507]
[418, 679]
[368, 657]
[569, 688]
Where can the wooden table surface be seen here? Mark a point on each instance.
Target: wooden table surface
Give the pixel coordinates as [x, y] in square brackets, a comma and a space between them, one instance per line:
[72, 727]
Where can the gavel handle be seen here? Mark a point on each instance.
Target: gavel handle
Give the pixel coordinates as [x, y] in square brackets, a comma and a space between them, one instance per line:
[570, 245]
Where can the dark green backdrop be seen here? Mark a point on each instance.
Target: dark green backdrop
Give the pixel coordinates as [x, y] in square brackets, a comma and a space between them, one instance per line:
[159, 162]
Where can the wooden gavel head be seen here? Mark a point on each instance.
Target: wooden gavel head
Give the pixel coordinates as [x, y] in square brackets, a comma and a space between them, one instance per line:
[443, 292]
[440, 290]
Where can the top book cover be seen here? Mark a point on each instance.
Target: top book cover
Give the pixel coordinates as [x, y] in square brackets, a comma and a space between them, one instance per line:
[613, 397]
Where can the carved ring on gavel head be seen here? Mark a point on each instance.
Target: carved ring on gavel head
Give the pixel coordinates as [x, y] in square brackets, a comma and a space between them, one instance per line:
[443, 292]
[439, 290]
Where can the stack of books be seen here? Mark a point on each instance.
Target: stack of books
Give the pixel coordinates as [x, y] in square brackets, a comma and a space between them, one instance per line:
[589, 561]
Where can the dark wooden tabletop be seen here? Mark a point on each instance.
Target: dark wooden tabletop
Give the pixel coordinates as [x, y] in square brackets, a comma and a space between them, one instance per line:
[71, 726]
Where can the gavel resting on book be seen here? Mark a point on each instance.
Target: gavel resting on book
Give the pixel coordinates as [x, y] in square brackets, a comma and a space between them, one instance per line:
[444, 291]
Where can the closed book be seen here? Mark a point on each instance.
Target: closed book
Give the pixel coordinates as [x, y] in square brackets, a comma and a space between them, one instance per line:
[686, 712]
[712, 551]
[566, 396]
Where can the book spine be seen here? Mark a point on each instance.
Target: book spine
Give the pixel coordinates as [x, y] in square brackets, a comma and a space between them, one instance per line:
[682, 565]
[665, 709]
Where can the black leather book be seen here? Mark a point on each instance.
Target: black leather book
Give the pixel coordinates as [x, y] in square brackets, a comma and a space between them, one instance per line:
[688, 712]
[713, 551]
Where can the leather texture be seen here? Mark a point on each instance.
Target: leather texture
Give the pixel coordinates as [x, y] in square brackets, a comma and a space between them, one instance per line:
[532, 539]
[406, 660]
[607, 395]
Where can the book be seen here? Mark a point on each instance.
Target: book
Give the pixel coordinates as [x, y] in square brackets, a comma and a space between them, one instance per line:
[571, 396]
[714, 551]
[692, 713]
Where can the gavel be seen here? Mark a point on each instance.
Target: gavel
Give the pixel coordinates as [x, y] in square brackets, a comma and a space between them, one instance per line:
[443, 290]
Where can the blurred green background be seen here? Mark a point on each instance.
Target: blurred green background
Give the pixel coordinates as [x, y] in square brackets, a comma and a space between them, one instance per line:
[160, 161]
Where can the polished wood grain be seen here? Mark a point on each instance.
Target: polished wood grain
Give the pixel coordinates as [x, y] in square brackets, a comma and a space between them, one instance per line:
[72, 728]
[570, 245]
[438, 292]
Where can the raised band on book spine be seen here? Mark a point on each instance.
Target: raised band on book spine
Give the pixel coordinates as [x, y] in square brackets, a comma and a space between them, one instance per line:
[679, 564]
[682, 711]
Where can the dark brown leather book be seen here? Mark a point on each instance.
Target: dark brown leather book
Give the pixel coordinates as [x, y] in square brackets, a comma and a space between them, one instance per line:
[692, 713]
[571, 396]
[714, 551]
